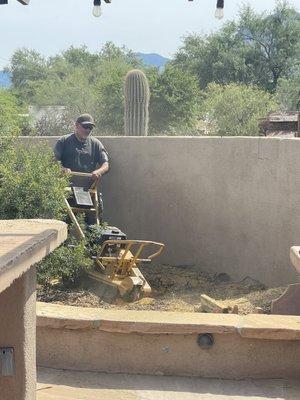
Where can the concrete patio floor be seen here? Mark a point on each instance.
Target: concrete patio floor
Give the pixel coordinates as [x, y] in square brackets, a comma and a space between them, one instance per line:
[69, 385]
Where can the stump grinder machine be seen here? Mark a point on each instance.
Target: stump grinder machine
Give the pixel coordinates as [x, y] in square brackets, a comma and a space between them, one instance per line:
[116, 259]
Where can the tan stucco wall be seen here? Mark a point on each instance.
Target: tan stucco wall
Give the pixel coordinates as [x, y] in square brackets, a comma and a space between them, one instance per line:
[17, 330]
[232, 357]
[23, 243]
[157, 343]
[224, 204]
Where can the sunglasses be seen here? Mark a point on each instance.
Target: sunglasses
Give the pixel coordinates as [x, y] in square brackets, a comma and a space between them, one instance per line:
[87, 127]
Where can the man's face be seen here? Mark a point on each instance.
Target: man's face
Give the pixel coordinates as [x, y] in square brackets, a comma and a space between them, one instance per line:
[83, 131]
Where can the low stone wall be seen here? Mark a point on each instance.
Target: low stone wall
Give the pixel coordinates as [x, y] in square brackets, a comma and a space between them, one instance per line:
[163, 343]
[225, 204]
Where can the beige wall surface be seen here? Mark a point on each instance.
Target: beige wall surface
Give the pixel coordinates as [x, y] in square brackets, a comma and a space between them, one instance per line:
[17, 330]
[94, 339]
[231, 357]
[224, 204]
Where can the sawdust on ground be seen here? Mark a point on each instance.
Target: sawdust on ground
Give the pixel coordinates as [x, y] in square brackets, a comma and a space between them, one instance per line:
[177, 289]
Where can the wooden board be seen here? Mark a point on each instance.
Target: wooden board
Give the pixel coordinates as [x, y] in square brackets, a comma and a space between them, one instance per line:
[208, 304]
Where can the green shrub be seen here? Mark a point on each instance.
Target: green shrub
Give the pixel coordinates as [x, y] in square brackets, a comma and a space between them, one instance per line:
[9, 114]
[288, 92]
[31, 184]
[234, 110]
[174, 101]
[67, 264]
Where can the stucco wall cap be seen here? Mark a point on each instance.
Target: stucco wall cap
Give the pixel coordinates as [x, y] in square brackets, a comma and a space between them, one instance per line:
[258, 326]
[24, 243]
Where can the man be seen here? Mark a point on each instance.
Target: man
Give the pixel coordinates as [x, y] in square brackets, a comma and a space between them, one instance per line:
[82, 152]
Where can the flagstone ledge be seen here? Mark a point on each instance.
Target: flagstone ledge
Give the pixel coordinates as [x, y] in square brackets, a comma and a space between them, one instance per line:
[252, 326]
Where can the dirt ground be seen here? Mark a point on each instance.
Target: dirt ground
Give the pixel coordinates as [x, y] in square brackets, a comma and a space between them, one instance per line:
[176, 289]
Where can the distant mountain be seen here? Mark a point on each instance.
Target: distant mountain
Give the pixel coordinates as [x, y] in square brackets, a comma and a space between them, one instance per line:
[153, 60]
[5, 80]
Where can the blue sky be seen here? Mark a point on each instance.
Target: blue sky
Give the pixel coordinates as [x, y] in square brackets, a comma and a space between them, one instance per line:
[142, 25]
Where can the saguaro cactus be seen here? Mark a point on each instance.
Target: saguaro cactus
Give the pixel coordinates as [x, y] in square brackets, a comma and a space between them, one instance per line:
[137, 95]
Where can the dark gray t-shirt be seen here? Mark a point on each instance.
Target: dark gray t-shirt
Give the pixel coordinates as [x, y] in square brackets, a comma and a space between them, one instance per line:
[80, 156]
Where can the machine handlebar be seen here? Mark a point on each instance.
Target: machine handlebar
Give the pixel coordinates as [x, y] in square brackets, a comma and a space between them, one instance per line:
[140, 245]
[82, 174]
[85, 175]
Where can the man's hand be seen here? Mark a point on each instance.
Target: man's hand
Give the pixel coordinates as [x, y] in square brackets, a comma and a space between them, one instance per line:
[96, 175]
[66, 170]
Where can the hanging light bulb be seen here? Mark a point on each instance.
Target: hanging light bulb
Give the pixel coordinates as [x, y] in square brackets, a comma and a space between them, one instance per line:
[97, 8]
[219, 14]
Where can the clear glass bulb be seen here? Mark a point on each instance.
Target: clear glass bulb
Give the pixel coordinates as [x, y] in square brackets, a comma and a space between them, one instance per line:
[97, 11]
[219, 14]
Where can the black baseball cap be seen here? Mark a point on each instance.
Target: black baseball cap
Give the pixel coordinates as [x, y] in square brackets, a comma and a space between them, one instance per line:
[85, 119]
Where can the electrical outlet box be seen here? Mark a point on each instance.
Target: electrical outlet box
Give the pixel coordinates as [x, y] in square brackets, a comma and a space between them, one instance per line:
[7, 363]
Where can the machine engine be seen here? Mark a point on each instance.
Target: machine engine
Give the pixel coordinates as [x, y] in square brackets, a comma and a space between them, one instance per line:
[99, 234]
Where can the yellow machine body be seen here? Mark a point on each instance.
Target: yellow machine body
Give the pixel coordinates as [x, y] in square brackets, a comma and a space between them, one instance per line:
[119, 268]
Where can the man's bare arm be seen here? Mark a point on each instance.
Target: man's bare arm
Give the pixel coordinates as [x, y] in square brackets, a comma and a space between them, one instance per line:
[100, 171]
